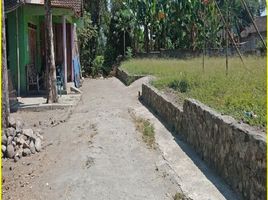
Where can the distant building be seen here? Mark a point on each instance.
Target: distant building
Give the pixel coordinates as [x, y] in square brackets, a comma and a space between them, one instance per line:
[250, 39]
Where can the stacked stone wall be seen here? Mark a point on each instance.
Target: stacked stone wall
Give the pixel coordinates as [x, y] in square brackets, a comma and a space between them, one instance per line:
[236, 151]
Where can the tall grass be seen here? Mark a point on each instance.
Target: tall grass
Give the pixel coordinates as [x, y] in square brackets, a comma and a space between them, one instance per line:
[242, 93]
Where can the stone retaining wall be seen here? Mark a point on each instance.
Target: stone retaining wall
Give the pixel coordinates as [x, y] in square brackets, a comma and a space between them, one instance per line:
[236, 151]
[125, 77]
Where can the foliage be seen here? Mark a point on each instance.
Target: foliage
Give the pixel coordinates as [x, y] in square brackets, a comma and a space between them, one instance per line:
[181, 24]
[97, 66]
[85, 34]
[180, 85]
[146, 25]
[129, 53]
[242, 91]
[115, 44]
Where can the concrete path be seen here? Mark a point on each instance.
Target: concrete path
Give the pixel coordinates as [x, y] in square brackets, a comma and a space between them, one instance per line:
[98, 154]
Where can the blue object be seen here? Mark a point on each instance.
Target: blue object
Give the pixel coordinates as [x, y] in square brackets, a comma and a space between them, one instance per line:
[60, 78]
[76, 64]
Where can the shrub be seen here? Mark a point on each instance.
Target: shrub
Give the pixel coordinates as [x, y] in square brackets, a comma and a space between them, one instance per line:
[129, 53]
[97, 65]
[180, 85]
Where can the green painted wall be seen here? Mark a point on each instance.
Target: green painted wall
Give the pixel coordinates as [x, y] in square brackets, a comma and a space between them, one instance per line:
[34, 15]
[12, 46]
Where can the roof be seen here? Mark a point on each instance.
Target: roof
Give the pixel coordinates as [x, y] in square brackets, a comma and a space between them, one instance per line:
[75, 5]
[12, 4]
[260, 23]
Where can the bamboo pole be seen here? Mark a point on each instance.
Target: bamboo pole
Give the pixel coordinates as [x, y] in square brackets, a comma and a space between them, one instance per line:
[229, 33]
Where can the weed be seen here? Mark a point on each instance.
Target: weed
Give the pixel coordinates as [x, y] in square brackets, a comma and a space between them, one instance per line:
[180, 196]
[147, 129]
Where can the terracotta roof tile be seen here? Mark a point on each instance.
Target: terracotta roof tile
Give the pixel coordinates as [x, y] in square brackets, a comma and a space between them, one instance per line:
[76, 5]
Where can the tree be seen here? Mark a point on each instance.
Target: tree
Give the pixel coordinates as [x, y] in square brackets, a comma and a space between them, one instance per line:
[85, 34]
[98, 10]
[115, 44]
[52, 95]
[5, 93]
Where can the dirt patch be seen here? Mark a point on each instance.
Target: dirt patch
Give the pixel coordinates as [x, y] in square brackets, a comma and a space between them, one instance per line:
[43, 119]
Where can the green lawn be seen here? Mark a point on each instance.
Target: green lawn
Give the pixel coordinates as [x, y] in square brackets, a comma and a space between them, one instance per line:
[241, 92]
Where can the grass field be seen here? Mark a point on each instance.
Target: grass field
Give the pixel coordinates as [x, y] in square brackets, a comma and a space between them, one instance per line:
[241, 94]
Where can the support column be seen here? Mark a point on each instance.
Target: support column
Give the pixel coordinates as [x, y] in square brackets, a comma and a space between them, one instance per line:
[18, 51]
[64, 51]
[72, 51]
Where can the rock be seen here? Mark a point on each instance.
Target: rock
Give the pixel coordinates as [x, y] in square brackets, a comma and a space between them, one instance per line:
[4, 148]
[19, 153]
[32, 147]
[10, 151]
[28, 132]
[24, 137]
[21, 141]
[11, 132]
[26, 152]
[39, 136]
[12, 122]
[19, 126]
[4, 139]
[16, 158]
[38, 144]
[9, 140]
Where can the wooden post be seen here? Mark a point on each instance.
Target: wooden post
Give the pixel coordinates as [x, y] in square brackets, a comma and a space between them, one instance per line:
[204, 49]
[72, 51]
[124, 43]
[52, 94]
[64, 51]
[227, 40]
[5, 92]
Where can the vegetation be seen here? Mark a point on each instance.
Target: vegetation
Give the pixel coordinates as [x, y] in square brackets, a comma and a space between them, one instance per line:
[180, 196]
[147, 129]
[241, 94]
[148, 25]
[97, 66]
[85, 34]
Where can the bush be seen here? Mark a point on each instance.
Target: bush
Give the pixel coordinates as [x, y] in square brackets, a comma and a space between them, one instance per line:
[85, 34]
[129, 53]
[180, 85]
[97, 66]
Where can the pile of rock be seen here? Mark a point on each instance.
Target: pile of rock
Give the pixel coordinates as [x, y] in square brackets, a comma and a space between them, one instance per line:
[18, 141]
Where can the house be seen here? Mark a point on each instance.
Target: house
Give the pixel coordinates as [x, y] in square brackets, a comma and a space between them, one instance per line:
[250, 41]
[26, 55]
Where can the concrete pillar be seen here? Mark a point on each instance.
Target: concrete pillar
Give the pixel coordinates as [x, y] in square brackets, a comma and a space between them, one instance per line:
[64, 51]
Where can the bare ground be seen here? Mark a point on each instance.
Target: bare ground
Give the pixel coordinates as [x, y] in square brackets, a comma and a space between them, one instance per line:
[95, 152]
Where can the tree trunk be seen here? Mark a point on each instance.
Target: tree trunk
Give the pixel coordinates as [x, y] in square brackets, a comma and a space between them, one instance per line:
[5, 92]
[52, 95]
[146, 38]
